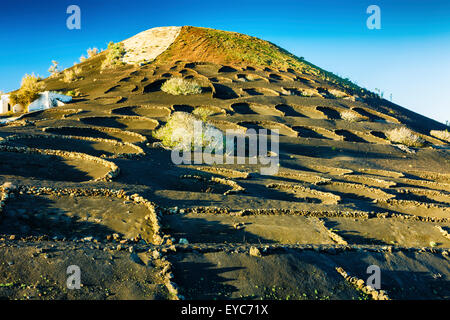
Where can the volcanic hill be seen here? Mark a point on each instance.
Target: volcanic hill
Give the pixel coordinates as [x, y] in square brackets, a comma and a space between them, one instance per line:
[88, 183]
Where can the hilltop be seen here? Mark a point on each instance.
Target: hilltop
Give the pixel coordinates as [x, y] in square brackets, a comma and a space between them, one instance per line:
[163, 46]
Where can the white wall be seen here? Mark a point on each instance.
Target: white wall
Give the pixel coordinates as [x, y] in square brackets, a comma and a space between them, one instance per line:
[4, 103]
[48, 100]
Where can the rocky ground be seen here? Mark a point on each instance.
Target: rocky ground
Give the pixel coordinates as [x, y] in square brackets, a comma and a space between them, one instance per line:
[85, 184]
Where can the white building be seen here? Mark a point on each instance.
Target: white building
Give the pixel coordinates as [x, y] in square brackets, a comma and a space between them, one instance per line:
[46, 100]
[4, 104]
[49, 100]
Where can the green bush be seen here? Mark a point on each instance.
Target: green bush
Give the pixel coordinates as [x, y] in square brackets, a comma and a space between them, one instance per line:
[180, 86]
[114, 55]
[29, 91]
[203, 112]
[73, 93]
[179, 132]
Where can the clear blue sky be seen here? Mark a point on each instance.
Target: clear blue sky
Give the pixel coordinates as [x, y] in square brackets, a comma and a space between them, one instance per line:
[408, 58]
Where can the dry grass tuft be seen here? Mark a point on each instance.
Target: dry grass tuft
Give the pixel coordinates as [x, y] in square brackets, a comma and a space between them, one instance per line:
[338, 93]
[71, 75]
[441, 134]
[180, 86]
[92, 52]
[203, 112]
[308, 92]
[350, 116]
[54, 71]
[405, 136]
[180, 133]
[29, 91]
[114, 55]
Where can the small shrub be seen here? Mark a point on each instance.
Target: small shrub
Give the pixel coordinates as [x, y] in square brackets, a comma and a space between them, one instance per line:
[307, 92]
[32, 83]
[441, 134]
[350, 116]
[405, 136]
[29, 91]
[204, 112]
[253, 77]
[337, 93]
[92, 52]
[16, 98]
[73, 74]
[179, 133]
[54, 71]
[73, 93]
[69, 76]
[77, 70]
[114, 55]
[180, 86]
